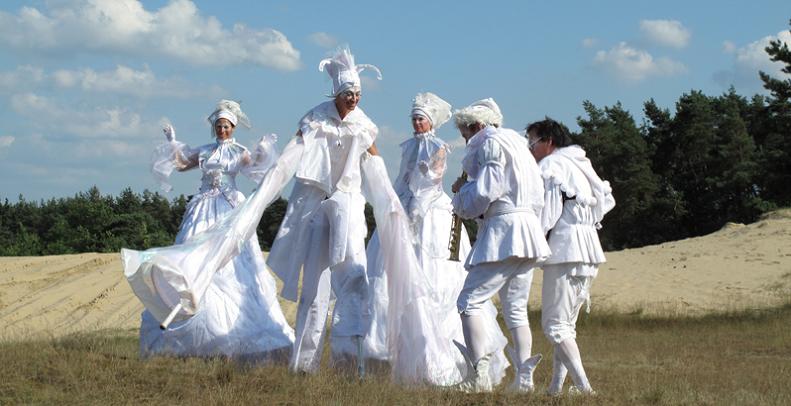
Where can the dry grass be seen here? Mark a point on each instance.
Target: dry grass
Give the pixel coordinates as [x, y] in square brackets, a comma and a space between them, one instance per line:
[740, 358]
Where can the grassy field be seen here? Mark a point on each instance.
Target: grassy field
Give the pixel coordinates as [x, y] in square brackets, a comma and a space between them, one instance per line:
[740, 359]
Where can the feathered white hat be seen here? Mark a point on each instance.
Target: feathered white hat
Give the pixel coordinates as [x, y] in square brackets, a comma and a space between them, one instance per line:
[432, 107]
[485, 111]
[231, 111]
[343, 71]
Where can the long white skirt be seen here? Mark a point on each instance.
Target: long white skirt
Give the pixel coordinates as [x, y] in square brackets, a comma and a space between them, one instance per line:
[239, 316]
[447, 278]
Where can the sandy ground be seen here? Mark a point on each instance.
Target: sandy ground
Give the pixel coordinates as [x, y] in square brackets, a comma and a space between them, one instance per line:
[736, 268]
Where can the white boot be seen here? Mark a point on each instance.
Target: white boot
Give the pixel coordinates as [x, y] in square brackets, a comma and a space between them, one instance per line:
[477, 379]
[575, 390]
[523, 380]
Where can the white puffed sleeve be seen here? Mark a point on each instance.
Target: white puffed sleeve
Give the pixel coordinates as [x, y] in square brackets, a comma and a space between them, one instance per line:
[425, 181]
[553, 203]
[264, 156]
[172, 155]
[474, 198]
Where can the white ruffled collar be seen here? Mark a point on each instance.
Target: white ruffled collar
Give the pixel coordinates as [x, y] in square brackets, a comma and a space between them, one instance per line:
[225, 141]
[425, 135]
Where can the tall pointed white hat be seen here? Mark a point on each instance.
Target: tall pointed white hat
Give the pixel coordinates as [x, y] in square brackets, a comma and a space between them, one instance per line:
[345, 74]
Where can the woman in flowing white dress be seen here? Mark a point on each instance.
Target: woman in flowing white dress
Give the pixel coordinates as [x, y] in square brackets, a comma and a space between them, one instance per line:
[419, 188]
[239, 315]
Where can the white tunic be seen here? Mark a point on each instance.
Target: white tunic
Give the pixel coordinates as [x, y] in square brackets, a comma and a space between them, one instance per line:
[330, 169]
[506, 189]
[572, 222]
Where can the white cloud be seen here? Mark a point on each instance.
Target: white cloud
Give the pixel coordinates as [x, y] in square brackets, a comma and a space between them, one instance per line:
[6, 140]
[754, 57]
[23, 77]
[90, 123]
[634, 65]
[589, 42]
[124, 80]
[670, 33]
[728, 47]
[458, 143]
[369, 82]
[177, 30]
[121, 80]
[323, 40]
[388, 142]
[749, 60]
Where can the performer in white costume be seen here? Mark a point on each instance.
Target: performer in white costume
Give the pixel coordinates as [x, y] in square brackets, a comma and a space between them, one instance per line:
[575, 201]
[239, 314]
[505, 188]
[420, 191]
[323, 232]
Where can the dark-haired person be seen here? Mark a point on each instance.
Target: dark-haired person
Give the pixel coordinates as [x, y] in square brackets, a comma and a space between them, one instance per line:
[575, 201]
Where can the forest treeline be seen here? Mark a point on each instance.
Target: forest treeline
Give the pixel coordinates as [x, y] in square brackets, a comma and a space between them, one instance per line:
[679, 173]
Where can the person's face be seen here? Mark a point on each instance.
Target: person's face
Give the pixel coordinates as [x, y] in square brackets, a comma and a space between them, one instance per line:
[223, 129]
[468, 132]
[420, 123]
[538, 147]
[347, 100]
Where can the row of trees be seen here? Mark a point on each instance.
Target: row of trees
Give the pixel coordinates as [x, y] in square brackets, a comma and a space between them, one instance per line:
[677, 174]
[92, 222]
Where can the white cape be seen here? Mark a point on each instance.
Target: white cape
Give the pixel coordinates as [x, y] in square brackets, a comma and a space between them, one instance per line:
[410, 308]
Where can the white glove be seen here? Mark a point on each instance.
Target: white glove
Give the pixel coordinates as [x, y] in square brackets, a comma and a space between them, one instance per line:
[170, 132]
[268, 139]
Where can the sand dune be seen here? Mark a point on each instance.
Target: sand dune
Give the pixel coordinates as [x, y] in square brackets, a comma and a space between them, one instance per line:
[738, 267]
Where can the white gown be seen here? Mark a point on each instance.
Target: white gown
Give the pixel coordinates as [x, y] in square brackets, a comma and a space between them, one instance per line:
[239, 315]
[419, 188]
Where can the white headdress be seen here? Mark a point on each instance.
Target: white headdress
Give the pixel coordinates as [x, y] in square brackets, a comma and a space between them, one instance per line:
[485, 111]
[231, 111]
[432, 107]
[343, 72]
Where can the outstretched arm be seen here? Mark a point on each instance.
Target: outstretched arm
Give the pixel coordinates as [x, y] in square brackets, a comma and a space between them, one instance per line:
[171, 155]
[373, 150]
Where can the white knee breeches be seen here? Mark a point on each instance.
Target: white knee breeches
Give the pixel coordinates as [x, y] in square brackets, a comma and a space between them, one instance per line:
[562, 296]
[511, 278]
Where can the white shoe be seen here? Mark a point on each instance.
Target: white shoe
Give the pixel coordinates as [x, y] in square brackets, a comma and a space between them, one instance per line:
[523, 380]
[477, 379]
[575, 390]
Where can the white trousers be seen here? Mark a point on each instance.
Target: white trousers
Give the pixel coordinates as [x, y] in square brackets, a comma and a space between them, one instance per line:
[563, 293]
[510, 278]
[347, 283]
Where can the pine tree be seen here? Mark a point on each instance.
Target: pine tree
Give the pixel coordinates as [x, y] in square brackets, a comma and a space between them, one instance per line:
[620, 155]
[775, 148]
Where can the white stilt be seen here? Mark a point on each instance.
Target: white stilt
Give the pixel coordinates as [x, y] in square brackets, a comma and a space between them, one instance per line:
[170, 317]
[360, 357]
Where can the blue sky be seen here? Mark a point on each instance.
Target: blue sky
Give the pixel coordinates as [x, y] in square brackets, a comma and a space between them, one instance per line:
[85, 85]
